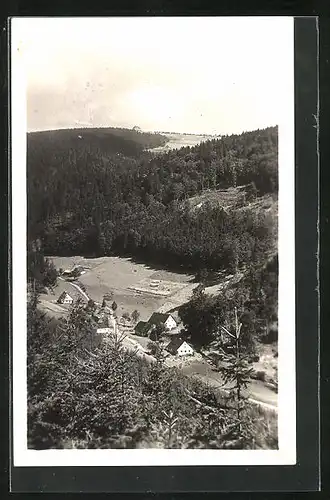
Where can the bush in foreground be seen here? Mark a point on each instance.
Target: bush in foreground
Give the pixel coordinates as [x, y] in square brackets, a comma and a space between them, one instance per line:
[84, 393]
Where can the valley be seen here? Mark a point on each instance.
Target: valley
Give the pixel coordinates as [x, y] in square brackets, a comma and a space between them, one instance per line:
[128, 284]
[125, 227]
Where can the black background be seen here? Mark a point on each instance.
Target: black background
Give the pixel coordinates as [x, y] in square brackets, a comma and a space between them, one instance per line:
[304, 476]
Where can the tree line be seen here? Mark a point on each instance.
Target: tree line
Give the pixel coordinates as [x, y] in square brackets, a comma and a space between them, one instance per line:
[254, 297]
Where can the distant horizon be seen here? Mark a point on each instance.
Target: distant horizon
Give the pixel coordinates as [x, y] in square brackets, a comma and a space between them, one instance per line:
[107, 127]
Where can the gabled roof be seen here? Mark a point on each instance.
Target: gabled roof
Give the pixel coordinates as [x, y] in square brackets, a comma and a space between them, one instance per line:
[158, 318]
[142, 327]
[174, 345]
[64, 294]
[78, 268]
[175, 316]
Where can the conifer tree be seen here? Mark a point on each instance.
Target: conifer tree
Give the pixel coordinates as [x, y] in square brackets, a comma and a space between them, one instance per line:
[135, 315]
[237, 372]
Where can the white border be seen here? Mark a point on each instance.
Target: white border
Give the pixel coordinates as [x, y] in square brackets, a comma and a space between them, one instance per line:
[286, 455]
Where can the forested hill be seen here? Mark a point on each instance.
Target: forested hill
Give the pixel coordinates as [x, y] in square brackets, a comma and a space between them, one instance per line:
[87, 199]
[107, 141]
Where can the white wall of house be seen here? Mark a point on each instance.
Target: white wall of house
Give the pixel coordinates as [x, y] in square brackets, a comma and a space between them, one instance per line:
[104, 330]
[170, 323]
[185, 350]
[67, 299]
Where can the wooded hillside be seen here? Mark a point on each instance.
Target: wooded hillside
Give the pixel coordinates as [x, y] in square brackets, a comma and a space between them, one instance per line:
[98, 197]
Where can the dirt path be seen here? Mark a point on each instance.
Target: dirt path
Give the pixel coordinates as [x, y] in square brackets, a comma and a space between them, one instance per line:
[257, 391]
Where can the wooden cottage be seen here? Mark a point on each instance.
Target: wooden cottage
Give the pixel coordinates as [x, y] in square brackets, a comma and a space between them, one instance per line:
[65, 298]
[179, 347]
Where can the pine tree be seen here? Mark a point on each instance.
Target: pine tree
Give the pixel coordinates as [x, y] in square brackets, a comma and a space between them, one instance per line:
[237, 372]
[135, 315]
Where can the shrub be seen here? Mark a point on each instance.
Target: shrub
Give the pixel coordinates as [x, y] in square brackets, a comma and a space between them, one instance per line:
[271, 335]
[83, 395]
[260, 375]
[135, 316]
[153, 347]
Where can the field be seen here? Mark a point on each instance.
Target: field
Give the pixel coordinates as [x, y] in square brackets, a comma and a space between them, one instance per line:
[177, 141]
[226, 198]
[128, 282]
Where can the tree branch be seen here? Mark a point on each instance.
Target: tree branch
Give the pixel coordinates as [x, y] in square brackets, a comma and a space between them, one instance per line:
[230, 334]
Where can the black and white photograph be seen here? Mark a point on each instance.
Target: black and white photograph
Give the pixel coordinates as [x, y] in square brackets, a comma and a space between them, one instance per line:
[153, 241]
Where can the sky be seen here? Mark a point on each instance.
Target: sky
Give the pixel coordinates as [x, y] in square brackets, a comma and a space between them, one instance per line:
[199, 75]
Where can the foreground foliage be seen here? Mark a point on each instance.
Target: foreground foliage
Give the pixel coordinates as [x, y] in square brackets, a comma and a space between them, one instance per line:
[90, 393]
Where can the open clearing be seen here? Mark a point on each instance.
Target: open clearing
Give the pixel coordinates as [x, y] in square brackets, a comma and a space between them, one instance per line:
[133, 285]
[177, 141]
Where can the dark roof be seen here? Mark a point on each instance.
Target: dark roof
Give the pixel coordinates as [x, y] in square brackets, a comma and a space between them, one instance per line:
[175, 315]
[174, 345]
[158, 318]
[142, 327]
[78, 268]
[76, 271]
[64, 294]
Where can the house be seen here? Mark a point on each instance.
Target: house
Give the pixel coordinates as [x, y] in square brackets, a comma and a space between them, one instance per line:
[142, 328]
[175, 315]
[105, 324]
[104, 330]
[163, 319]
[74, 273]
[78, 271]
[65, 298]
[180, 347]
